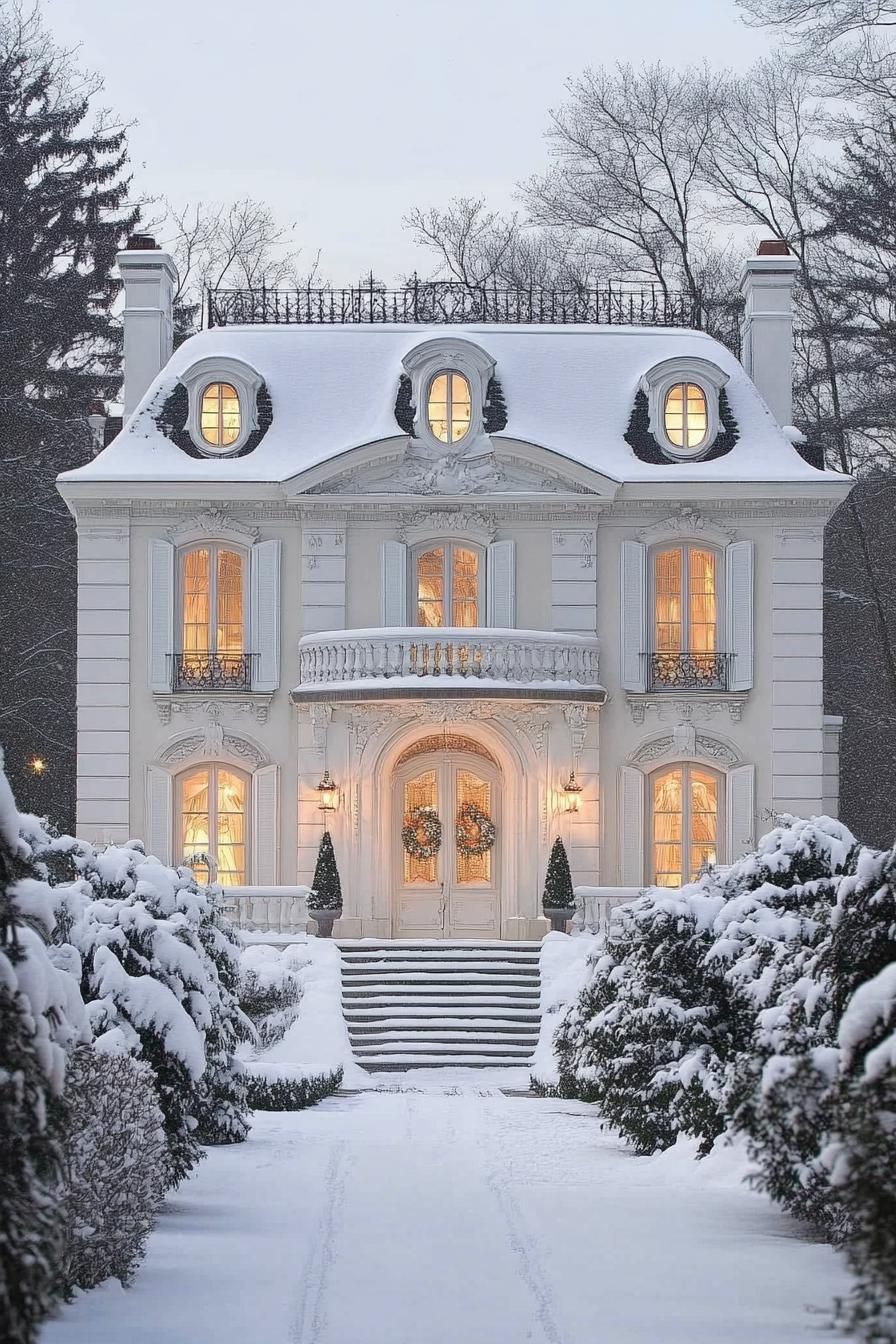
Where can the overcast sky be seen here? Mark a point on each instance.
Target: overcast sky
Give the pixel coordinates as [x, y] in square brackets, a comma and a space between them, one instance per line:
[343, 114]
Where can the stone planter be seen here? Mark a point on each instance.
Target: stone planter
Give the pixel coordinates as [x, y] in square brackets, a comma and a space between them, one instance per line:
[559, 915]
[325, 919]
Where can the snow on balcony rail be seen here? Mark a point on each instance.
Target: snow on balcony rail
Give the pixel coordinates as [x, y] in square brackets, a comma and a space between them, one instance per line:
[617, 303]
[503, 657]
[267, 910]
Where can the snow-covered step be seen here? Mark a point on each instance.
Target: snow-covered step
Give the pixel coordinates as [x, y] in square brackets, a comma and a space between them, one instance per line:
[425, 1004]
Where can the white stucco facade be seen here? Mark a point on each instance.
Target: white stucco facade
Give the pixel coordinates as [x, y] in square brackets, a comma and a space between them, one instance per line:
[329, 512]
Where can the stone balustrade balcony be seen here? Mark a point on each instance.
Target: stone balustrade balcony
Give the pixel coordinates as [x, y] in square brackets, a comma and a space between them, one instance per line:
[455, 661]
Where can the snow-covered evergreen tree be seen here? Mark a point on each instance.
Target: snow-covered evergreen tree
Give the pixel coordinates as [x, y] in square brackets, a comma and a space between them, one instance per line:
[558, 891]
[326, 893]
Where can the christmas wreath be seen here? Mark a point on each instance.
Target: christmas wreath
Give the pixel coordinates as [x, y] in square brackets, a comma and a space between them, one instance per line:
[421, 833]
[475, 831]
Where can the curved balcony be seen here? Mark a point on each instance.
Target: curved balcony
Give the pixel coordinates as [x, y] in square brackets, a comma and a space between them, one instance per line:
[414, 660]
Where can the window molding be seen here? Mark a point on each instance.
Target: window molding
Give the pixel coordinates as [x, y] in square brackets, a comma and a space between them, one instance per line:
[656, 385]
[686, 839]
[246, 382]
[716, 678]
[212, 767]
[214, 547]
[448, 544]
[449, 354]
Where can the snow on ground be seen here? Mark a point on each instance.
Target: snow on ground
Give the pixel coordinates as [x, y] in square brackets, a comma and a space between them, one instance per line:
[468, 1217]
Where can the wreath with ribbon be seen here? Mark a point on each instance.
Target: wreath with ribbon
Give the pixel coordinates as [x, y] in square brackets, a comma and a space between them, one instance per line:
[421, 833]
[475, 831]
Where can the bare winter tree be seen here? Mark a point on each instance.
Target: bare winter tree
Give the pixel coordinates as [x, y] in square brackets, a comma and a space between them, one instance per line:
[239, 245]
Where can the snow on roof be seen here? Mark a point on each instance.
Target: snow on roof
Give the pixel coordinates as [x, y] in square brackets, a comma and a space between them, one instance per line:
[569, 389]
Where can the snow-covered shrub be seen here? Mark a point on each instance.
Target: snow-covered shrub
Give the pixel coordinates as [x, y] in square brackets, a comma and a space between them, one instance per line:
[278, 1091]
[114, 1167]
[41, 1021]
[271, 989]
[660, 1034]
[159, 972]
[565, 966]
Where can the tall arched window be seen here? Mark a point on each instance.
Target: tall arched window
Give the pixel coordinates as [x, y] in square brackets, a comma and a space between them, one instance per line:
[219, 415]
[685, 805]
[685, 417]
[213, 617]
[686, 618]
[448, 584]
[212, 817]
[448, 407]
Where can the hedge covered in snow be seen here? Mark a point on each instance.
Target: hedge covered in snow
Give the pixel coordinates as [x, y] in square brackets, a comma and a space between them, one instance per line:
[761, 1002]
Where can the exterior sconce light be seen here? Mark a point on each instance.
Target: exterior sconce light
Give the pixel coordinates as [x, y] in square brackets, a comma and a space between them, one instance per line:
[328, 794]
[572, 794]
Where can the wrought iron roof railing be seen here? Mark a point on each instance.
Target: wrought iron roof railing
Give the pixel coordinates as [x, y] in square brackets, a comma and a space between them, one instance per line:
[450, 301]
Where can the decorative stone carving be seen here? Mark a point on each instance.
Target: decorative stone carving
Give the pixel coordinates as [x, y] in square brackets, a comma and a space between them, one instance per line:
[698, 709]
[214, 744]
[576, 716]
[679, 744]
[684, 739]
[686, 521]
[321, 715]
[366, 722]
[315, 544]
[480, 527]
[537, 728]
[449, 474]
[189, 707]
[584, 541]
[212, 523]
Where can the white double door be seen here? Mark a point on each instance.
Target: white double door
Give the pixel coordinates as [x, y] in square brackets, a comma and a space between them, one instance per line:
[451, 894]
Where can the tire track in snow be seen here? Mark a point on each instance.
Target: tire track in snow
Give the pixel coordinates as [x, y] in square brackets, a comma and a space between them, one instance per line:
[311, 1313]
[497, 1179]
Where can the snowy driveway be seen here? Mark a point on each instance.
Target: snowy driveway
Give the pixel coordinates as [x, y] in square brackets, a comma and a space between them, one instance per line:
[467, 1218]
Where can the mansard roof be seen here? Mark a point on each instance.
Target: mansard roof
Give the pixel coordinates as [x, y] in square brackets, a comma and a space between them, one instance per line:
[332, 389]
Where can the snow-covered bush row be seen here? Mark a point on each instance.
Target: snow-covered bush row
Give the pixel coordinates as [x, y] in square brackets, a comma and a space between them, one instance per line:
[564, 969]
[114, 1167]
[294, 997]
[41, 1020]
[158, 968]
[762, 1002]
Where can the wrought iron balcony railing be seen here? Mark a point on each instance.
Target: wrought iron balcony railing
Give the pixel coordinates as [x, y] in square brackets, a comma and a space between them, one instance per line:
[694, 671]
[212, 671]
[449, 301]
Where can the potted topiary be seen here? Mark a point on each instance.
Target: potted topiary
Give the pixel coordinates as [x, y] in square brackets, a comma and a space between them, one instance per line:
[558, 900]
[325, 898]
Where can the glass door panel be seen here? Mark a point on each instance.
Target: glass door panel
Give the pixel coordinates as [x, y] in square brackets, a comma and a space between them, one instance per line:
[473, 869]
[420, 792]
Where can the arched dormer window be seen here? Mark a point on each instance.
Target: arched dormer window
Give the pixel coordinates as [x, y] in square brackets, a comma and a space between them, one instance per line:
[219, 415]
[213, 593]
[684, 807]
[448, 406]
[683, 406]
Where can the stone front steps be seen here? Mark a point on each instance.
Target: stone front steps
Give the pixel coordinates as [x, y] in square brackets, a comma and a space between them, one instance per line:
[431, 1004]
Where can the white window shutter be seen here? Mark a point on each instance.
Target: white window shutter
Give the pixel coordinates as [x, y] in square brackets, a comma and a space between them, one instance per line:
[265, 826]
[500, 585]
[739, 600]
[395, 583]
[741, 790]
[631, 827]
[161, 614]
[159, 808]
[264, 607]
[634, 616]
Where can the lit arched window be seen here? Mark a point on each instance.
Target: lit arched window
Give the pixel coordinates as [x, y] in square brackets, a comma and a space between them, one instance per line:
[213, 803]
[448, 586]
[684, 807]
[685, 416]
[213, 617]
[686, 617]
[219, 416]
[448, 407]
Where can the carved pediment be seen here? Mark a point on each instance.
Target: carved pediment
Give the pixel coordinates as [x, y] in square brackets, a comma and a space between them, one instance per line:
[451, 474]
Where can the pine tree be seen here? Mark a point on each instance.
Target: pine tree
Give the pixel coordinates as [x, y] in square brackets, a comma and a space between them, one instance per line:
[63, 216]
[558, 890]
[326, 887]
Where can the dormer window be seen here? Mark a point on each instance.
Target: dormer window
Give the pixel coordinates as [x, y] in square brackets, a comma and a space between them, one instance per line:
[219, 416]
[685, 417]
[449, 407]
[683, 405]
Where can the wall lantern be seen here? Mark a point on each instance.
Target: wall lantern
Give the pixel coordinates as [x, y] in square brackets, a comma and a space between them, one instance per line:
[328, 794]
[571, 796]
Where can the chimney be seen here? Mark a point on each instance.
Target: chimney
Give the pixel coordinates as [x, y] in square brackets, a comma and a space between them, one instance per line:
[96, 419]
[149, 277]
[767, 328]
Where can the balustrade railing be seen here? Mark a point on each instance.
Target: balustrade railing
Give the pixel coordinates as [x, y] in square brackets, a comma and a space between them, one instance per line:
[272, 910]
[514, 658]
[694, 671]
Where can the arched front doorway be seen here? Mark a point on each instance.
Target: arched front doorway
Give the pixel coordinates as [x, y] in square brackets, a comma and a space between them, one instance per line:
[452, 893]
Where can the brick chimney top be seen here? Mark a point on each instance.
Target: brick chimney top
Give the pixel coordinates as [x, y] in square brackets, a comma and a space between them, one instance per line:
[773, 247]
[142, 242]
[96, 408]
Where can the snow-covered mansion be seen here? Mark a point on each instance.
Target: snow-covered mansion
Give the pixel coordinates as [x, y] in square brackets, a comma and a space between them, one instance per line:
[505, 565]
